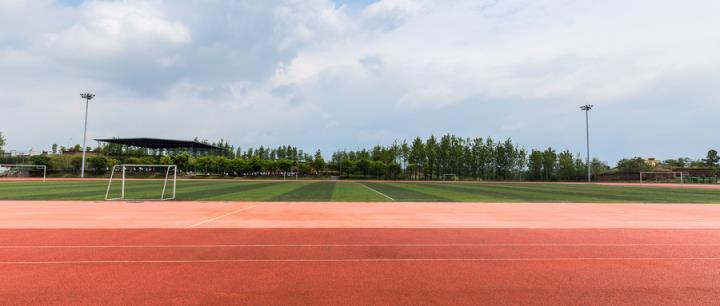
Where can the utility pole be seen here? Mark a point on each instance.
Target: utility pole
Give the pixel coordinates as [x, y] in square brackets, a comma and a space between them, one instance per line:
[587, 108]
[87, 96]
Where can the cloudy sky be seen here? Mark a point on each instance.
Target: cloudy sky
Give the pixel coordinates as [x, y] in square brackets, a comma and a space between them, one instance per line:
[351, 74]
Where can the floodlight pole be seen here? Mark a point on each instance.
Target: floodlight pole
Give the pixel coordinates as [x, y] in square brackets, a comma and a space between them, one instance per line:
[87, 96]
[587, 108]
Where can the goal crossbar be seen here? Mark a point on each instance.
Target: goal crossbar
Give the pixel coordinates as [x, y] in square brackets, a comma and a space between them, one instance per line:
[124, 167]
[43, 167]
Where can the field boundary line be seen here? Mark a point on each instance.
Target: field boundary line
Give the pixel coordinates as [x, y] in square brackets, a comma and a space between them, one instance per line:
[365, 245]
[378, 192]
[484, 259]
[220, 217]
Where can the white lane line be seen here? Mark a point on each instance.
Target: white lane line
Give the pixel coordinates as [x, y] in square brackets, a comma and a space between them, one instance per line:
[361, 245]
[378, 192]
[219, 217]
[362, 260]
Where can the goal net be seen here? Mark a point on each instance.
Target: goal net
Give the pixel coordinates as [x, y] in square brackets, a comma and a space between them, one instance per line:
[664, 177]
[23, 171]
[142, 183]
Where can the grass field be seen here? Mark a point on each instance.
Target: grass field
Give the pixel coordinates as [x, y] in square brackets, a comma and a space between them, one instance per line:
[360, 192]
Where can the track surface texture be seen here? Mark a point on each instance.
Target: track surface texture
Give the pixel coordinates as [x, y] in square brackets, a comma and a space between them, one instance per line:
[360, 266]
[325, 253]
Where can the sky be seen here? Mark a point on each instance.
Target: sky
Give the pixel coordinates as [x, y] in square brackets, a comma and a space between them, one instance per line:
[349, 74]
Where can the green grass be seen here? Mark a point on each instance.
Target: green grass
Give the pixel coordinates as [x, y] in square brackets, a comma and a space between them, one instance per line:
[220, 190]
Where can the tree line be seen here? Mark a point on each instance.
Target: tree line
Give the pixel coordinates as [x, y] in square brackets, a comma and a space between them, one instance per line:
[433, 158]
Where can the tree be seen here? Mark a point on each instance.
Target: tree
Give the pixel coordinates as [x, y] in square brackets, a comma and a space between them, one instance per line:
[549, 163]
[285, 165]
[566, 166]
[681, 162]
[633, 165]
[166, 160]
[181, 160]
[54, 148]
[416, 156]
[99, 164]
[535, 165]
[2, 142]
[318, 162]
[712, 159]
[363, 166]
[598, 166]
[40, 160]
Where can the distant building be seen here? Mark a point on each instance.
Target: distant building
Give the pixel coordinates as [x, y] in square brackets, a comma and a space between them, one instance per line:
[31, 152]
[651, 161]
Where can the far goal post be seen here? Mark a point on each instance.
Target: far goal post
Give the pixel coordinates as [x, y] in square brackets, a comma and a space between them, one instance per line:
[135, 182]
[23, 171]
[674, 177]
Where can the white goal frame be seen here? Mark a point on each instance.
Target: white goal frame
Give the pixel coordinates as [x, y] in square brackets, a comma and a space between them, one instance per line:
[454, 177]
[122, 188]
[43, 167]
[681, 174]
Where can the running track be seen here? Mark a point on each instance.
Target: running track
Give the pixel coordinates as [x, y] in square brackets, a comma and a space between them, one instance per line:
[334, 253]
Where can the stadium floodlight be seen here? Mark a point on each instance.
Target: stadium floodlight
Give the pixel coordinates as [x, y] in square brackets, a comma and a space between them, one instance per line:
[587, 108]
[87, 96]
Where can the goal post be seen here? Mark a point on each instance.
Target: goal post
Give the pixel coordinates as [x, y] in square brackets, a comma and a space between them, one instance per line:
[139, 182]
[22, 170]
[664, 177]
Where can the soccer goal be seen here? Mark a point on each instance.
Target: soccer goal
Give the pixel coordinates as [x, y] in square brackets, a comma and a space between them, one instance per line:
[142, 183]
[23, 171]
[449, 177]
[664, 177]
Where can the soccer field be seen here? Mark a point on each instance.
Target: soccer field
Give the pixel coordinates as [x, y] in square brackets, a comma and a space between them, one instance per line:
[346, 191]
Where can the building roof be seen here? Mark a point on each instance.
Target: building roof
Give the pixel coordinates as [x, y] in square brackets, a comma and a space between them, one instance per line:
[157, 143]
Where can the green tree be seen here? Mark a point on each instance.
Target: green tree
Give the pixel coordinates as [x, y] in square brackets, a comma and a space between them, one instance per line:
[598, 167]
[99, 164]
[318, 162]
[285, 165]
[416, 156]
[377, 168]
[535, 165]
[431, 148]
[566, 166]
[712, 158]
[166, 160]
[633, 165]
[549, 164]
[181, 160]
[363, 166]
[2, 142]
[40, 160]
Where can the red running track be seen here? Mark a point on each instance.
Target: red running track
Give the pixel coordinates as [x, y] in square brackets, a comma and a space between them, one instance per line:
[360, 266]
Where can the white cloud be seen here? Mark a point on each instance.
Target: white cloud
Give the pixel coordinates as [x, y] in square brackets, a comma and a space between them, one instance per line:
[315, 73]
[109, 28]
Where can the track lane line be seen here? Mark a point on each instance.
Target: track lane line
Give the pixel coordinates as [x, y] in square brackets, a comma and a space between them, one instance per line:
[220, 217]
[378, 192]
[362, 260]
[365, 245]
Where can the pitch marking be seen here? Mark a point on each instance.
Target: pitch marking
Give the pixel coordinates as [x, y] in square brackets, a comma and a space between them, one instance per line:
[378, 192]
[219, 217]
